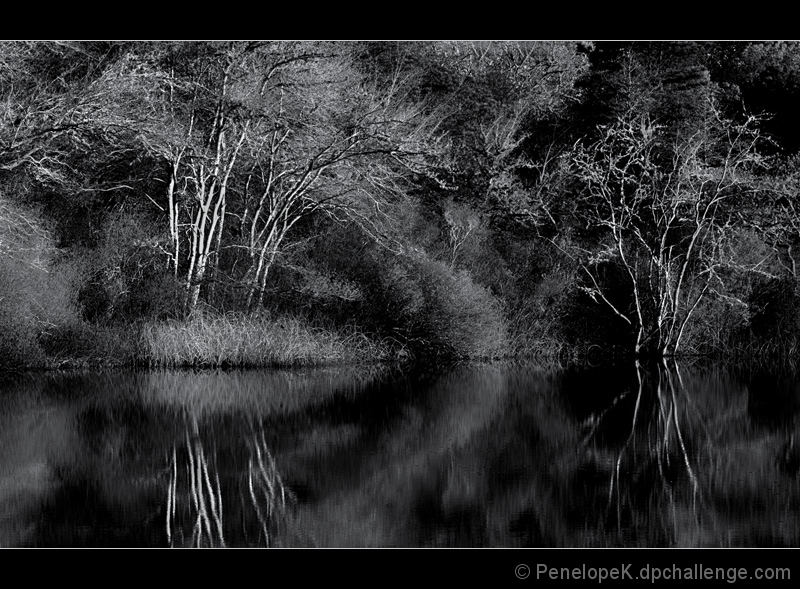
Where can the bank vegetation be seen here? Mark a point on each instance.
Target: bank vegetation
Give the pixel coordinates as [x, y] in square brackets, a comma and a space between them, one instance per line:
[294, 203]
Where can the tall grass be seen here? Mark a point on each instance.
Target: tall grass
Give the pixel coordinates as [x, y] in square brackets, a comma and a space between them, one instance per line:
[238, 340]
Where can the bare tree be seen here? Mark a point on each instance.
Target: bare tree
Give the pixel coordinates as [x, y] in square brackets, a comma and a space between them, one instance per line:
[266, 134]
[328, 143]
[663, 215]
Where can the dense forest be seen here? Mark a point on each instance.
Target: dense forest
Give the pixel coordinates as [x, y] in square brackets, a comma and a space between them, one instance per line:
[280, 203]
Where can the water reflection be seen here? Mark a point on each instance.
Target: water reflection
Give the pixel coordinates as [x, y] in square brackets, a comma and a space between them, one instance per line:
[210, 498]
[693, 465]
[640, 455]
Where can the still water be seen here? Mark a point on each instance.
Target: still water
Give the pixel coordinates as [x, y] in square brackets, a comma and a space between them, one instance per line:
[475, 456]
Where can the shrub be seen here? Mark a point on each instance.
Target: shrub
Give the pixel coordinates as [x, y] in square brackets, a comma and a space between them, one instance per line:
[774, 315]
[124, 278]
[775, 309]
[18, 322]
[37, 295]
[396, 292]
[442, 312]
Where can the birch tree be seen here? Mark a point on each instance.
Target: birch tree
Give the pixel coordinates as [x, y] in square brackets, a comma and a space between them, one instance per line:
[203, 163]
[266, 134]
[203, 113]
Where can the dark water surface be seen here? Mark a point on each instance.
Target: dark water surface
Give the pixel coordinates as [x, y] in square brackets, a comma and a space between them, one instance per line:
[476, 456]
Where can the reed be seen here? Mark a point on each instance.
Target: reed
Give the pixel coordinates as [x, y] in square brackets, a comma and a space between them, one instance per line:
[237, 340]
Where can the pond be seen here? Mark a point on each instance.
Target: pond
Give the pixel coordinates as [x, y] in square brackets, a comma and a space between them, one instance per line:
[474, 456]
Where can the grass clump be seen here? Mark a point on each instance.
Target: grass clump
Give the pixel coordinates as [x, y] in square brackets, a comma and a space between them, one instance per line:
[239, 340]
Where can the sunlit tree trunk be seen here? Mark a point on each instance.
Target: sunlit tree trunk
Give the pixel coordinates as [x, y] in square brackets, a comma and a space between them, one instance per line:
[211, 186]
[273, 217]
[174, 217]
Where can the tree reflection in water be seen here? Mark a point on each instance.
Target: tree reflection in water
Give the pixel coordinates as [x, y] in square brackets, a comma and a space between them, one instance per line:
[210, 499]
[690, 468]
[483, 456]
